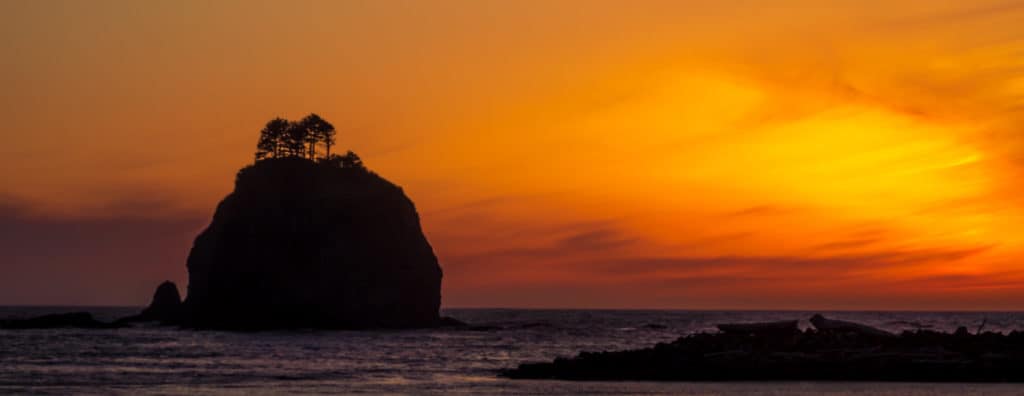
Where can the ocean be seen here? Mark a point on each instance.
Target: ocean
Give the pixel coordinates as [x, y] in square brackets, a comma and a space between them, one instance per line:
[158, 360]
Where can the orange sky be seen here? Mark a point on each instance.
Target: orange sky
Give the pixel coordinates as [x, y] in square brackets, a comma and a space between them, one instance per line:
[668, 154]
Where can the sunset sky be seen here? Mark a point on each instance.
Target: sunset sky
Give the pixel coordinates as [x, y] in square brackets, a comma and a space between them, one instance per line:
[602, 154]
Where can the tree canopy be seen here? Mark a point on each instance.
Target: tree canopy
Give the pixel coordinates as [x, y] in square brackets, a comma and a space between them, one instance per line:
[281, 138]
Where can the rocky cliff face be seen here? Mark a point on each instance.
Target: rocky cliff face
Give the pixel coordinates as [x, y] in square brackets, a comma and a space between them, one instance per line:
[300, 244]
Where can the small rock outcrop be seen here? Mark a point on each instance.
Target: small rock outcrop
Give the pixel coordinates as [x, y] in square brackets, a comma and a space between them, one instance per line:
[165, 307]
[304, 244]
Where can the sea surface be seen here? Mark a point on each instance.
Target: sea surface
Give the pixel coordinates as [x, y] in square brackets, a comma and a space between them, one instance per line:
[156, 360]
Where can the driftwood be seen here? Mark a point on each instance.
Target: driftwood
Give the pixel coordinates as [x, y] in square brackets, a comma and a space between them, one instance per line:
[842, 326]
[765, 328]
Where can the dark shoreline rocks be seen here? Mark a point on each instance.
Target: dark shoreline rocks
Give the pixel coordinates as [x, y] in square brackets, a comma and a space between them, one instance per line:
[82, 320]
[838, 351]
[785, 327]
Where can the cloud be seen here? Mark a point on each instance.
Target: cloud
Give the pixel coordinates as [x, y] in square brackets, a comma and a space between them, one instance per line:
[775, 267]
[594, 240]
[761, 210]
[470, 206]
[590, 262]
[849, 243]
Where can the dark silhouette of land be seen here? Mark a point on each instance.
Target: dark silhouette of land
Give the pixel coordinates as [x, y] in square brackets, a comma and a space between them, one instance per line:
[311, 241]
[832, 350]
[83, 320]
[300, 243]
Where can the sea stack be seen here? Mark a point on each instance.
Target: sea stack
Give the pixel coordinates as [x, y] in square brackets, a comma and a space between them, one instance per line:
[165, 307]
[312, 244]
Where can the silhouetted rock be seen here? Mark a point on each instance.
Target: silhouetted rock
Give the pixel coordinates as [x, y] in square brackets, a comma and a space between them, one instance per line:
[166, 302]
[73, 319]
[830, 325]
[839, 352]
[165, 307]
[299, 244]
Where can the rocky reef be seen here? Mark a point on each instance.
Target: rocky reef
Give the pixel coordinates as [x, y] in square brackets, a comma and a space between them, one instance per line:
[831, 350]
[82, 320]
[305, 244]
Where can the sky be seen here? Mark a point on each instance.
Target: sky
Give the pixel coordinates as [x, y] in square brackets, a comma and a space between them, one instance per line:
[791, 154]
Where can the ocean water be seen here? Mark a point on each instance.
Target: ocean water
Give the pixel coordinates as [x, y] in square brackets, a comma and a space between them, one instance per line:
[156, 360]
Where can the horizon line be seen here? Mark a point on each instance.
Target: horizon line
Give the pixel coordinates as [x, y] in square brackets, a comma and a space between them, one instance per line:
[600, 309]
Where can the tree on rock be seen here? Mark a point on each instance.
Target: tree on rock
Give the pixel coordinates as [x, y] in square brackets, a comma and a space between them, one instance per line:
[319, 130]
[272, 138]
[295, 140]
[283, 138]
[351, 160]
[348, 161]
